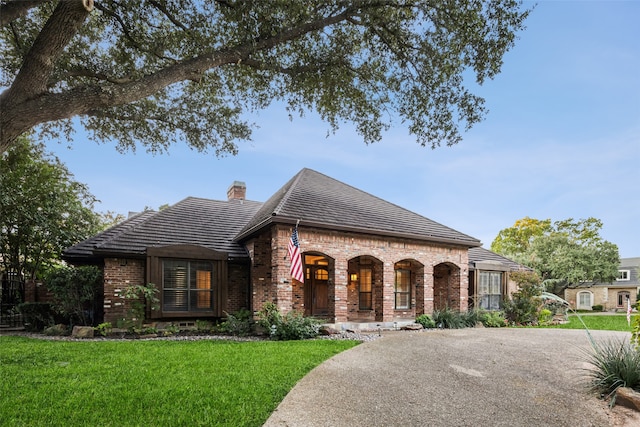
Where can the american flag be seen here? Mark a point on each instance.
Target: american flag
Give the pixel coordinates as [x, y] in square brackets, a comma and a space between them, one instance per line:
[296, 259]
[629, 311]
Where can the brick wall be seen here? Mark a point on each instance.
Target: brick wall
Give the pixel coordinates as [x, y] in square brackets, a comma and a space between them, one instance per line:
[273, 282]
[118, 274]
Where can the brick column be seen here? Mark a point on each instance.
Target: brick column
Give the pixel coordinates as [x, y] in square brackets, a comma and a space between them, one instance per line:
[388, 282]
[428, 289]
[338, 290]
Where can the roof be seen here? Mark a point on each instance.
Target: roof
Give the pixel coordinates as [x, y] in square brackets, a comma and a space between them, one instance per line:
[482, 258]
[320, 201]
[195, 221]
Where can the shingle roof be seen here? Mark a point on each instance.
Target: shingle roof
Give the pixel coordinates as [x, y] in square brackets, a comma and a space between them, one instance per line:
[320, 201]
[85, 248]
[208, 223]
[479, 255]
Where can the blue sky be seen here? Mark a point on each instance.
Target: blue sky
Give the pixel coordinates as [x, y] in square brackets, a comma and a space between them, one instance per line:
[561, 140]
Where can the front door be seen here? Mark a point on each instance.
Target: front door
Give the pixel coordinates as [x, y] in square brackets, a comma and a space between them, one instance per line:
[317, 291]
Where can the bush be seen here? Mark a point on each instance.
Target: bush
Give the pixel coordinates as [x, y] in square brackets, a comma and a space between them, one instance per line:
[239, 323]
[75, 290]
[522, 308]
[426, 321]
[471, 318]
[448, 319]
[545, 316]
[597, 307]
[493, 319]
[36, 315]
[142, 298]
[292, 326]
[615, 364]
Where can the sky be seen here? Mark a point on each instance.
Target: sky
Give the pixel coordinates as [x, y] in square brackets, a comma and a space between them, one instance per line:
[561, 140]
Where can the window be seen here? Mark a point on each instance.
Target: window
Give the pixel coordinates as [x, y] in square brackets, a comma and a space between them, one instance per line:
[402, 288]
[623, 275]
[366, 301]
[187, 285]
[490, 290]
[584, 300]
[623, 296]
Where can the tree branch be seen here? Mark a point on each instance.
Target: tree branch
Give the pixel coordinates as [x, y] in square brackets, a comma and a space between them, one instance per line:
[62, 25]
[14, 9]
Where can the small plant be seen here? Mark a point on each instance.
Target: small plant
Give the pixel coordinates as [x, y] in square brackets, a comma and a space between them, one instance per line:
[426, 321]
[448, 319]
[239, 323]
[140, 296]
[471, 318]
[171, 329]
[292, 326]
[493, 319]
[615, 364]
[104, 329]
[597, 307]
[545, 316]
[204, 326]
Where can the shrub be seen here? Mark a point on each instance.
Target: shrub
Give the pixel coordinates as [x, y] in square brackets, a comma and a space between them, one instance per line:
[493, 319]
[448, 319]
[471, 318]
[141, 297]
[75, 290]
[36, 315]
[545, 316]
[239, 323]
[292, 326]
[426, 321]
[597, 307]
[204, 326]
[104, 329]
[522, 308]
[616, 364]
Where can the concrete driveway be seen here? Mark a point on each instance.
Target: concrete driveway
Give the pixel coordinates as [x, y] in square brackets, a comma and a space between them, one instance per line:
[466, 377]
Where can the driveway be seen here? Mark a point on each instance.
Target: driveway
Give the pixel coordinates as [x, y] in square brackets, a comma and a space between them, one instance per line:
[466, 377]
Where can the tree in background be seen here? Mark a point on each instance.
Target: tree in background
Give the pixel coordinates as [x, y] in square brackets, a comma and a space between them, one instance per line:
[564, 253]
[166, 70]
[42, 210]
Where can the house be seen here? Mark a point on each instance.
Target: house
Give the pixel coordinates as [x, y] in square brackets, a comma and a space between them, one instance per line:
[364, 259]
[611, 296]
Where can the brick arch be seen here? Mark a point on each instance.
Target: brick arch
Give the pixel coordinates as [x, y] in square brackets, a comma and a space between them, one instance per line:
[364, 295]
[317, 292]
[446, 286]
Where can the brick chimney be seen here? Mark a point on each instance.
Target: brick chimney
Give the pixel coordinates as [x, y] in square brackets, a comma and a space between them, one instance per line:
[237, 191]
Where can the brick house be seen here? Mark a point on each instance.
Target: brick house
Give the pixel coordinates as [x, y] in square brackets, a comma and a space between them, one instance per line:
[611, 296]
[364, 259]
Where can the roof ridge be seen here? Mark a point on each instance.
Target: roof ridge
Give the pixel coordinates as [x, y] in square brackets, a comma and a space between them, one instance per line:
[292, 184]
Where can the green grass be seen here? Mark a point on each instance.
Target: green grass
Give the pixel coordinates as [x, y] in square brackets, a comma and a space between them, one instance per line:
[596, 322]
[144, 383]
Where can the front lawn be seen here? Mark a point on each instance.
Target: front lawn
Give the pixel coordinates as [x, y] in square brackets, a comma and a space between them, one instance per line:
[611, 322]
[146, 383]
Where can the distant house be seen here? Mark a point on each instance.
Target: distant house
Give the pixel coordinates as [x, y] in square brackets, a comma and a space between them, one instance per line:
[611, 296]
[364, 259]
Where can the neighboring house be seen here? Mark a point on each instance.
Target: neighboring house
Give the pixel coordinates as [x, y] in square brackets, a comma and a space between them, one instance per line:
[611, 296]
[364, 259]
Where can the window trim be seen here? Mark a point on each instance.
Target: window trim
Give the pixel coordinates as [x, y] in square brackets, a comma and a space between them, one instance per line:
[626, 276]
[622, 302]
[489, 294]
[192, 253]
[396, 293]
[368, 293]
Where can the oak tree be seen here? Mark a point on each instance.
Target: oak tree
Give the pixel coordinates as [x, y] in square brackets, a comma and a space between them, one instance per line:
[158, 71]
[566, 253]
